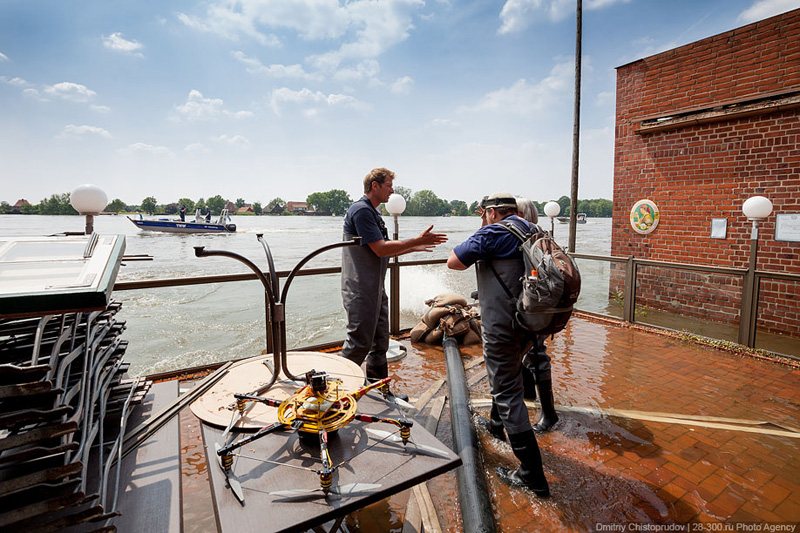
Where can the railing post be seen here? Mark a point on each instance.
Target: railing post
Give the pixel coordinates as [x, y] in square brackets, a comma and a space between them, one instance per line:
[747, 316]
[629, 303]
[394, 288]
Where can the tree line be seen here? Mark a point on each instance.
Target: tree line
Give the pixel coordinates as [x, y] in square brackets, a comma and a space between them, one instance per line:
[333, 202]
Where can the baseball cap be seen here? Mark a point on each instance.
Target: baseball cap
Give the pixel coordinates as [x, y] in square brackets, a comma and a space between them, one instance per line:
[499, 199]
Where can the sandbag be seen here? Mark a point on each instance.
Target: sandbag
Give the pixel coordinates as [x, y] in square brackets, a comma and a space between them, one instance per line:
[448, 314]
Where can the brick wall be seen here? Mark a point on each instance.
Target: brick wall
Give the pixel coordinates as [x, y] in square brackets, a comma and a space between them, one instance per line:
[698, 171]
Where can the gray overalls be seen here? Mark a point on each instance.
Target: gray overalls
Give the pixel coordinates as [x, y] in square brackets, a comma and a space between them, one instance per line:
[367, 306]
[503, 345]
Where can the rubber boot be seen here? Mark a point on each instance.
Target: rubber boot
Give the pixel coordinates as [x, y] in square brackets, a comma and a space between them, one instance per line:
[549, 416]
[528, 383]
[494, 425]
[529, 474]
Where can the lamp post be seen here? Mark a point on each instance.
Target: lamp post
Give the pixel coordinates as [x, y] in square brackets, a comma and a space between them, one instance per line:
[552, 209]
[755, 208]
[88, 200]
[395, 205]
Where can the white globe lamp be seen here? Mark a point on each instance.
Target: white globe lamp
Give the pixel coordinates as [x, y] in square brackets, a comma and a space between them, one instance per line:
[396, 204]
[88, 200]
[757, 208]
[552, 209]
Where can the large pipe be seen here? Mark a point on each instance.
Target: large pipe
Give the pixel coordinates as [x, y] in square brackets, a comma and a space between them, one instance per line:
[473, 495]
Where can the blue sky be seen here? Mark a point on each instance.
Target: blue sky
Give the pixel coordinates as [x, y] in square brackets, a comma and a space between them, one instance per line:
[256, 99]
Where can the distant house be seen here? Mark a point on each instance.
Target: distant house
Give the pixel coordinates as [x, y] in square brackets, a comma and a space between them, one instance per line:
[300, 208]
[246, 209]
[231, 207]
[21, 203]
[278, 209]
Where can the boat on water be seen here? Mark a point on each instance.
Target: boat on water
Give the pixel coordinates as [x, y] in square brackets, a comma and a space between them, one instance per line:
[581, 219]
[200, 224]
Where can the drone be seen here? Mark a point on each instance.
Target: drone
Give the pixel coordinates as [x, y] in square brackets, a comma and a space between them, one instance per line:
[319, 408]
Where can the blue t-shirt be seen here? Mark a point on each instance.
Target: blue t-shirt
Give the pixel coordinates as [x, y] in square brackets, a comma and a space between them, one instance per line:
[493, 242]
[365, 221]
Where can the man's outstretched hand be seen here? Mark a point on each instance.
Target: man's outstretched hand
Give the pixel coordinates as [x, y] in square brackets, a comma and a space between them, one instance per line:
[428, 239]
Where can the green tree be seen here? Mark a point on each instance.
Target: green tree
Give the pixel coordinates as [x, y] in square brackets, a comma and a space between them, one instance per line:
[458, 208]
[335, 201]
[116, 206]
[257, 208]
[427, 204]
[149, 205]
[597, 207]
[57, 204]
[200, 204]
[190, 207]
[276, 203]
[564, 202]
[404, 192]
[473, 208]
[216, 204]
[5, 208]
[240, 203]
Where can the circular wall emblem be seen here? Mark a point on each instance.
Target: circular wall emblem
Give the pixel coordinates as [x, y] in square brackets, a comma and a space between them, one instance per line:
[644, 216]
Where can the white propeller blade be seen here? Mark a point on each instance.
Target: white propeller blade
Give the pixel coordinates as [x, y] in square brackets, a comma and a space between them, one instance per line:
[345, 490]
[412, 447]
[235, 486]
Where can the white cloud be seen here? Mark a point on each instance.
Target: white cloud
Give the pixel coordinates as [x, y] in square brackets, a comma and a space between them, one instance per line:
[238, 141]
[118, 43]
[605, 98]
[762, 9]
[147, 149]
[3, 57]
[254, 66]
[195, 148]
[14, 82]
[443, 123]
[363, 70]
[198, 107]
[402, 85]
[517, 15]
[73, 92]
[310, 99]
[368, 28]
[100, 108]
[525, 98]
[71, 130]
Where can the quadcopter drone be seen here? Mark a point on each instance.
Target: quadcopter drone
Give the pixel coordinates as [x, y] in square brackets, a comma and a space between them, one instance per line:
[319, 407]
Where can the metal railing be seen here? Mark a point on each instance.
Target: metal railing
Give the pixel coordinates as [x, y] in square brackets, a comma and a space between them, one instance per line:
[748, 310]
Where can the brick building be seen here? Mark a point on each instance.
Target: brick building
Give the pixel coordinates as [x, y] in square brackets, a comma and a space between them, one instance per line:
[699, 129]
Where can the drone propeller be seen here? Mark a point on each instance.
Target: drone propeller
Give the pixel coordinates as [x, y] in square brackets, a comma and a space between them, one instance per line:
[421, 449]
[351, 489]
[393, 400]
[235, 486]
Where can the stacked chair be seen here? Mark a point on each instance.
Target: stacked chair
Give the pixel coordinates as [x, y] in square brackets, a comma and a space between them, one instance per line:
[64, 403]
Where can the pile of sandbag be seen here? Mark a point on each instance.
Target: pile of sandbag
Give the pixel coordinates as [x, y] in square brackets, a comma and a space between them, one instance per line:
[448, 314]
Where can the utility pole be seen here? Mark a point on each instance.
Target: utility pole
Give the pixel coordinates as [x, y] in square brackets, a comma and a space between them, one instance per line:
[576, 127]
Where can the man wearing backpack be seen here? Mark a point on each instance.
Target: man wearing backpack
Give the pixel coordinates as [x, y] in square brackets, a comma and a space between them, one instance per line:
[498, 261]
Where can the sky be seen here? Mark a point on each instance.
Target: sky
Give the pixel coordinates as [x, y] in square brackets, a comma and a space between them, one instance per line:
[258, 99]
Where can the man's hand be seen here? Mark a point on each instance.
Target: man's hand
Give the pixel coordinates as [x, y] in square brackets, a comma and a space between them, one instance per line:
[428, 238]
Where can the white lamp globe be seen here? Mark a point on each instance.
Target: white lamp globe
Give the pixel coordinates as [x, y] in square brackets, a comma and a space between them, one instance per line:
[88, 199]
[757, 208]
[552, 209]
[396, 204]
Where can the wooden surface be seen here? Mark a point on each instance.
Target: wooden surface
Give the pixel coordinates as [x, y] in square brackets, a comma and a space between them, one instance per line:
[150, 478]
[368, 461]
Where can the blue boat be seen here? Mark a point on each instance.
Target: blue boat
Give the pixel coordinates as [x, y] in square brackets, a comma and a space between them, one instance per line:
[200, 224]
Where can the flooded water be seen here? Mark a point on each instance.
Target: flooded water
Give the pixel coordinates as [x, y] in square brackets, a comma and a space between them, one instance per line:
[188, 326]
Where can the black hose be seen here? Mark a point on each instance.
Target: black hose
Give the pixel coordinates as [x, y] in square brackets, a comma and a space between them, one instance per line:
[473, 494]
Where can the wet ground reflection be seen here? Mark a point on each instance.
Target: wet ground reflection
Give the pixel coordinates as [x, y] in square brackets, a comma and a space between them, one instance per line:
[687, 446]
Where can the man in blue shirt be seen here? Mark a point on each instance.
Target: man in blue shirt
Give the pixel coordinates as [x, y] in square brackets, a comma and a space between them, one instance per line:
[499, 266]
[364, 271]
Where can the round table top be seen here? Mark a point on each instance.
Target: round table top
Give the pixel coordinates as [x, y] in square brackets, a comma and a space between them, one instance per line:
[215, 407]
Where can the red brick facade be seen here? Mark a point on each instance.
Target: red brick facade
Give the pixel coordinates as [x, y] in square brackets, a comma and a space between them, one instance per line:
[699, 129]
